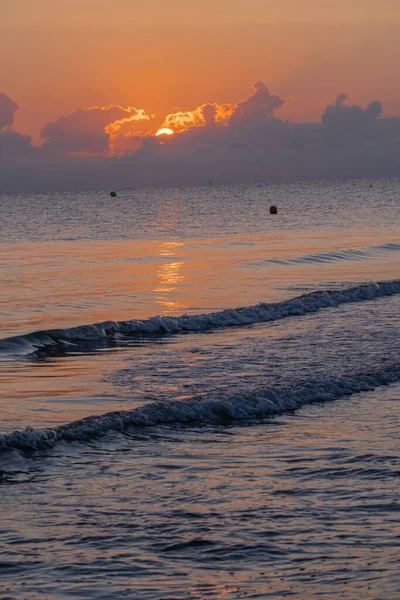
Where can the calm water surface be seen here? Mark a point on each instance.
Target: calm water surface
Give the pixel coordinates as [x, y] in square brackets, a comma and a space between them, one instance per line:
[248, 454]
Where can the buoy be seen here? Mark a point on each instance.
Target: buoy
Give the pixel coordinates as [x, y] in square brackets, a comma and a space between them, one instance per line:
[113, 194]
[273, 210]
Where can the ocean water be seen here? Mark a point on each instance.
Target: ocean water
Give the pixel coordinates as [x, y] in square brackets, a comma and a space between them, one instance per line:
[199, 399]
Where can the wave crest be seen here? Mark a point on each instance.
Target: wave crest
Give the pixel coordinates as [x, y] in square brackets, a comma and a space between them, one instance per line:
[260, 403]
[107, 332]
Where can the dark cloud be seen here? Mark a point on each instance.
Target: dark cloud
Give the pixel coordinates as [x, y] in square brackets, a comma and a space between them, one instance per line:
[14, 145]
[342, 116]
[254, 111]
[82, 130]
[374, 110]
[260, 106]
[250, 146]
[8, 108]
[92, 131]
[209, 112]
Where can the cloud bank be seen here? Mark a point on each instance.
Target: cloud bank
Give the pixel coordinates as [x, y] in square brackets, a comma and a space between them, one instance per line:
[13, 145]
[94, 130]
[8, 108]
[116, 147]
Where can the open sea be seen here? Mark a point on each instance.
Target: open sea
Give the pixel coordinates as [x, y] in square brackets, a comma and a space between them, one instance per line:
[200, 400]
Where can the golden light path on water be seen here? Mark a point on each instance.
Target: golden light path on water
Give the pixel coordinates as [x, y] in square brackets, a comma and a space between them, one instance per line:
[170, 278]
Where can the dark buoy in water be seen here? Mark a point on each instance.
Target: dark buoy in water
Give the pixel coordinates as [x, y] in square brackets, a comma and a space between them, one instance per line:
[113, 194]
[273, 210]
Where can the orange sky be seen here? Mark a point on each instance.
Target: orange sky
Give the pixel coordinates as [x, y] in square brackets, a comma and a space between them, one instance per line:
[206, 12]
[163, 56]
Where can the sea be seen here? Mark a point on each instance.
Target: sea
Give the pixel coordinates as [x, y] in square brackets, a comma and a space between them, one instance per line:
[199, 399]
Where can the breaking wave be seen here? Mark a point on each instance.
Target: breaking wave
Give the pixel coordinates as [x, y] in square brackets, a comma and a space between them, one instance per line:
[257, 404]
[111, 331]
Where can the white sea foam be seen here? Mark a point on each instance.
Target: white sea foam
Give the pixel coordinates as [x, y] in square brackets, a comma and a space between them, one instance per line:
[103, 332]
[259, 403]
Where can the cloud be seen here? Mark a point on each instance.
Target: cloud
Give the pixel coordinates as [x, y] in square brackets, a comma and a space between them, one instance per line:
[341, 116]
[108, 147]
[124, 134]
[209, 113]
[203, 116]
[260, 106]
[8, 108]
[92, 131]
[15, 145]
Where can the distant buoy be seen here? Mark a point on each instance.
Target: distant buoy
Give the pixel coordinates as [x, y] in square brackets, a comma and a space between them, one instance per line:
[113, 194]
[273, 210]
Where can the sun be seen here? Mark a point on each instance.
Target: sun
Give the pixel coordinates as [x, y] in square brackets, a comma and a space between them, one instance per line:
[164, 131]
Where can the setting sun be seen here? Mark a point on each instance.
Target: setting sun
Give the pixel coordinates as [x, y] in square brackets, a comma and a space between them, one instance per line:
[164, 131]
